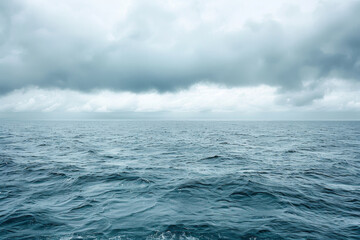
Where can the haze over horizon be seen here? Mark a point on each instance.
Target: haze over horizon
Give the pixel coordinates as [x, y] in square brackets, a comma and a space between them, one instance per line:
[231, 59]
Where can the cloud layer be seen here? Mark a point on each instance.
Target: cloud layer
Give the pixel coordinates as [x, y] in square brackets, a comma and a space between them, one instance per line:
[166, 46]
[339, 96]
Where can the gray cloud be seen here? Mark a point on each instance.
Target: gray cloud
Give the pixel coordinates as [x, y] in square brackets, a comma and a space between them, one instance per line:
[150, 48]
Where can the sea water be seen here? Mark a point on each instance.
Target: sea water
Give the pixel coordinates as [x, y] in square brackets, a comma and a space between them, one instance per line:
[179, 180]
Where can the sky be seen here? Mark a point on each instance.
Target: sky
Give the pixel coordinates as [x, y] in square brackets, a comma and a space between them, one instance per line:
[261, 59]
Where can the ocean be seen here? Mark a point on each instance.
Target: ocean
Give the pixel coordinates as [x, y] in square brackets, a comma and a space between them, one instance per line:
[179, 180]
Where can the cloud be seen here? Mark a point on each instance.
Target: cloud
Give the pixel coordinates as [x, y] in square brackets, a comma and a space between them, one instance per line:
[168, 46]
[199, 98]
[336, 96]
[329, 95]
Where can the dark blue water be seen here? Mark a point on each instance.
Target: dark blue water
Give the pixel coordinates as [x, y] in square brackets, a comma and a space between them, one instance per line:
[179, 180]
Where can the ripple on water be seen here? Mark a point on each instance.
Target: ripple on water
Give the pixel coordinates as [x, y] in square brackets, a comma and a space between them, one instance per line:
[179, 180]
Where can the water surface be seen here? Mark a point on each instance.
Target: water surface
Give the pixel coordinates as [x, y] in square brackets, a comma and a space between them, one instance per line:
[179, 180]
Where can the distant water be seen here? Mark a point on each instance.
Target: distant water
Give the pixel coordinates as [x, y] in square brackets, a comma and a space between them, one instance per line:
[179, 180]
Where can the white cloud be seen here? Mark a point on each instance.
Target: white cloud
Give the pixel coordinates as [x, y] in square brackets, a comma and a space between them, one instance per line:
[334, 95]
[200, 97]
[339, 96]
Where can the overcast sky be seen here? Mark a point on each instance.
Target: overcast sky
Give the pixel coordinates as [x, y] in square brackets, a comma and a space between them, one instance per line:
[220, 56]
